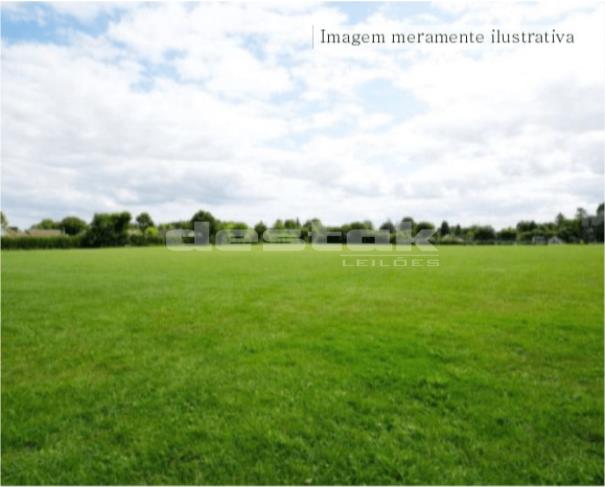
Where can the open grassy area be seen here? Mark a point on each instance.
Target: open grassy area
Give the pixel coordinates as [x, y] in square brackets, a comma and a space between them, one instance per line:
[143, 365]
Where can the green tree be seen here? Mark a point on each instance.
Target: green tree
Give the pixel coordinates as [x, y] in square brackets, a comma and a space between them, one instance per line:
[228, 225]
[107, 230]
[72, 225]
[364, 225]
[308, 226]
[599, 228]
[205, 216]
[408, 221]
[526, 226]
[483, 233]
[444, 229]
[581, 213]
[144, 222]
[388, 225]
[423, 226]
[3, 220]
[47, 224]
[568, 231]
[560, 220]
[312, 222]
[260, 228]
[583, 230]
[507, 234]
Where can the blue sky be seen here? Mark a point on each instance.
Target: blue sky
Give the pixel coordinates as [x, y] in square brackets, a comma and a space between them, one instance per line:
[169, 108]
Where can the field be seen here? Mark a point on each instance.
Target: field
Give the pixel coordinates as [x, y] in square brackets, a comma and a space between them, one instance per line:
[141, 365]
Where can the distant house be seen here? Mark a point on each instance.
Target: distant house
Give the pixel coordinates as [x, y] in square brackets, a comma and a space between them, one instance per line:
[555, 241]
[33, 232]
[10, 232]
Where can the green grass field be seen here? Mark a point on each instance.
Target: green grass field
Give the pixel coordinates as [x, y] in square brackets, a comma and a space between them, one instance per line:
[141, 365]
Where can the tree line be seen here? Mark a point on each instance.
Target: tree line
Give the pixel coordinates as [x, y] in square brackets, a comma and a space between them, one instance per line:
[119, 229]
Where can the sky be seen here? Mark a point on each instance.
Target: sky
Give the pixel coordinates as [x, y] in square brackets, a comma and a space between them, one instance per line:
[174, 107]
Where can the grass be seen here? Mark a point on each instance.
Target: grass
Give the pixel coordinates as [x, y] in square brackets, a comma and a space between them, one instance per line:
[141, 365]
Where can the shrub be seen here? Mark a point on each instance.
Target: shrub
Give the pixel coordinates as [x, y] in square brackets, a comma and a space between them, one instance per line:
[107, 230]
[72, 225]
[25, 243]
[138, 240]
[450, 239]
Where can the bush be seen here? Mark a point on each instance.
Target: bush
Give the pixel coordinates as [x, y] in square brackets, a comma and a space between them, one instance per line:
[139, 240]
[450, 239]
[71, 242]
[72, 225]
[107, 230]
[25, 243]
[484, 234]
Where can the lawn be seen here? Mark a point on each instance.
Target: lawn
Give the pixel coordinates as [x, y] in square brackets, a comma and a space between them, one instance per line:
[142, 365]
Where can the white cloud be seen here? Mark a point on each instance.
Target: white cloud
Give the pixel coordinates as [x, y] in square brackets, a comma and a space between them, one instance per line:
[87, 12]
[225, 106]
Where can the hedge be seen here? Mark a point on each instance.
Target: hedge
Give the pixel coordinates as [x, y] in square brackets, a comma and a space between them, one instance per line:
[143, 240]
[71, 242]
[59, 242]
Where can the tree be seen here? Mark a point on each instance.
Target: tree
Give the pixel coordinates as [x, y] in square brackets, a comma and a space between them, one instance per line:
[581, 214]
[229, 225]
[47, 224]
[560, 220]
[424, 226]
[3, 220]
[407, 222]
[583, 230]
[599, 228]
[205, 216]
[312, 222]
[144, 222]
[444, 229]
[278, 225]
[291, 224]
[507, 234]
[364, 225]
[567, 231]
[107, 230]
[72, 225]
[311, 225]
[388, 225]
[260, 228]
[546, 230]
[526, 226]
[483, 233]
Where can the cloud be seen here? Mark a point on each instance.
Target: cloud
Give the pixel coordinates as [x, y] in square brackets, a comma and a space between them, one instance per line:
[16, 12]
[171, 107]
[87, 12]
